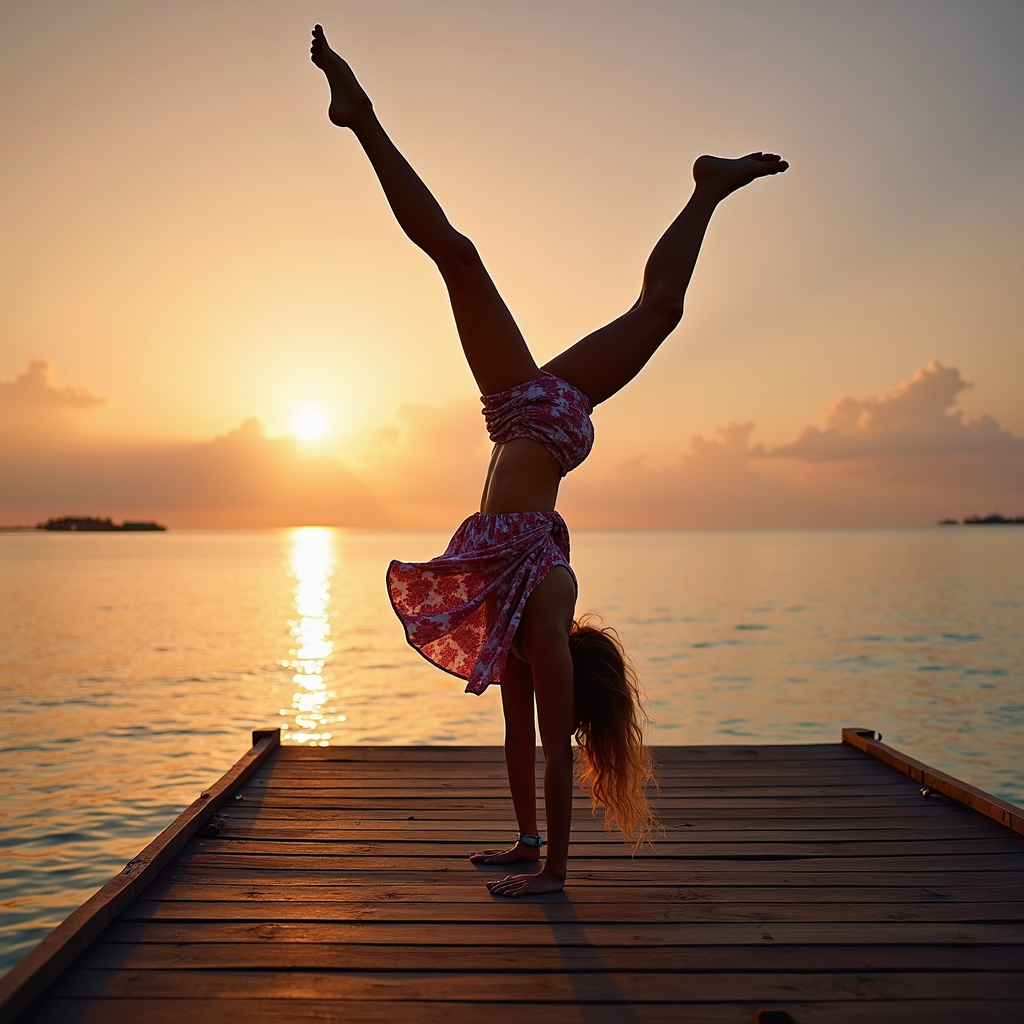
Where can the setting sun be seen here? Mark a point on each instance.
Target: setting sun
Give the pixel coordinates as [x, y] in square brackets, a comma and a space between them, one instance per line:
[309, 425]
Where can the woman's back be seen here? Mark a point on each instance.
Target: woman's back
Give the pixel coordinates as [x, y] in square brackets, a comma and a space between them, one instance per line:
[541, 429]
[522, 477]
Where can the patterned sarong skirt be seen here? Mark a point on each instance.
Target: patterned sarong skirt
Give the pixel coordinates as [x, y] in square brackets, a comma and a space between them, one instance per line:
[461, 610]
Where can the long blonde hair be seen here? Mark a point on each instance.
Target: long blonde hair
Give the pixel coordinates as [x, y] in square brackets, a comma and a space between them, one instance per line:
[614, 764]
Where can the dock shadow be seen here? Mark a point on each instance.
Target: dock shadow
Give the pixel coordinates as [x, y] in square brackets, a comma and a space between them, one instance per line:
[591, 978]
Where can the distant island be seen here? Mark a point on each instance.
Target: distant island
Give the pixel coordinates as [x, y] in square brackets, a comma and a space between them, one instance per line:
[93, 525]
[994, 520]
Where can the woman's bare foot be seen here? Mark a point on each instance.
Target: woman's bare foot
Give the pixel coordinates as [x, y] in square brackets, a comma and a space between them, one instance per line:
[520, 851]
[725, 176]
[526, 885]
[348, 101]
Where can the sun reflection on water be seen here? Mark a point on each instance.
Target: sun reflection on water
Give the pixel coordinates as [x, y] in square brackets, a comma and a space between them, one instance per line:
[312, 562]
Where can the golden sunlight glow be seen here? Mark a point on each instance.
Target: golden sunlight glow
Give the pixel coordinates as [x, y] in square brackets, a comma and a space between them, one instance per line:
[312, 562]
[309, 424]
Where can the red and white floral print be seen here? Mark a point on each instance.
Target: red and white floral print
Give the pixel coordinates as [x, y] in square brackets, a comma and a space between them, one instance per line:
[461, 610]
[548, 410]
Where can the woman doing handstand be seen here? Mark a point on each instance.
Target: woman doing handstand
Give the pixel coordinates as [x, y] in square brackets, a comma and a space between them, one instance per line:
[498, 606]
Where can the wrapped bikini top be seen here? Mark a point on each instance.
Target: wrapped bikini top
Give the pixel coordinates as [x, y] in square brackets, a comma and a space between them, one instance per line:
[547, 410]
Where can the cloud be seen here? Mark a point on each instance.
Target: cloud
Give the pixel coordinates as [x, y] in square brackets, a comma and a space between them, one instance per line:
[428, 465]
[907, 456]
[34, 387]
[242, 478]
[915, 418]
[35, 411]
[713, 483]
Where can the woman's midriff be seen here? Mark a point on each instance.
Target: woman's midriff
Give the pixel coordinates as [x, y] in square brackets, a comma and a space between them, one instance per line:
[522, 477]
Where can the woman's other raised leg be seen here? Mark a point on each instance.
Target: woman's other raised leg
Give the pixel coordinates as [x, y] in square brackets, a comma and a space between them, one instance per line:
[605, 361]
[520, 761]
[495, 349]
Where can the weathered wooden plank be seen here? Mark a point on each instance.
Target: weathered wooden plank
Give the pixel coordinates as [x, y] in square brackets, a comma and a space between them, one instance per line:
[650, 907]
[473, 956]
[999, 810]
[921, 811]
[696, 874]
[709, 817]
[438, 757]
[446, 753]
[880, 776]
[556, 986]
[678, 848]
[535, 926]
[285, 1011]
[359, 1012]
[497, 805]
[297, 773]
[497, 789]
[465, 839]
[969, 900]
[654, 865]
[400, 832]
[785, 767]
[463, 790]
[494, 754]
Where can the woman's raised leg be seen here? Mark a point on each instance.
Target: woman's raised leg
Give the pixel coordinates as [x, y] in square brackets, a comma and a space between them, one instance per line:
[605, 361]
[497, 353]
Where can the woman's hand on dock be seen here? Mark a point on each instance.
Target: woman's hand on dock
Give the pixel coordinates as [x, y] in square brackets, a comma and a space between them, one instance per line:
[526, 885]
[519, 851]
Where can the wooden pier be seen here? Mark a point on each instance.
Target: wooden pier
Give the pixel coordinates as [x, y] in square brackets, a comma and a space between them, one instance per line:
[822, 883]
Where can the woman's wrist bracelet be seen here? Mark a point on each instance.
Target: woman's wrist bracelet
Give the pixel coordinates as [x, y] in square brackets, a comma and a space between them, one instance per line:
[535, 841]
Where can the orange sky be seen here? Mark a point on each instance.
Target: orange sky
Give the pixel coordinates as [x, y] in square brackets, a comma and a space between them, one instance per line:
[186, 237]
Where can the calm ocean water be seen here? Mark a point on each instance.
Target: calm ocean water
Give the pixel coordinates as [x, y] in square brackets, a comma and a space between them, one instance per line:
[134, 666]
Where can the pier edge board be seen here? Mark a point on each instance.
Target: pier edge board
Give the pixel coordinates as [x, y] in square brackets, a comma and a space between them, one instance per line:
[26, 981]
[932, 779]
